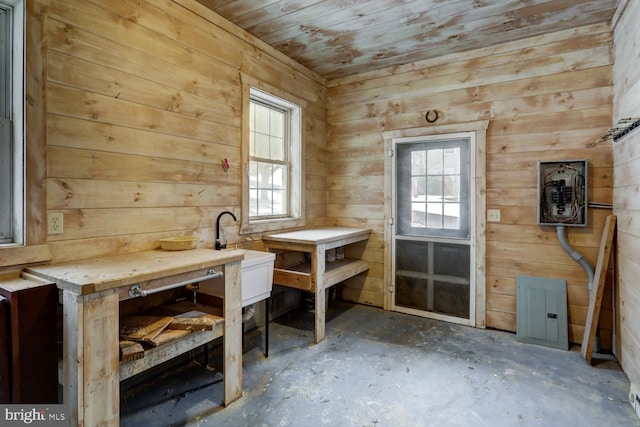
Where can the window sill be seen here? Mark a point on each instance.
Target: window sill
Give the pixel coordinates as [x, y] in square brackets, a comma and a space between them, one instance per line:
[13, 256]
[271, 225]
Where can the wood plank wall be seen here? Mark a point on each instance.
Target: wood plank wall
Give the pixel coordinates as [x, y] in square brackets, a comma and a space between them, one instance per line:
[143, 101]
[626, 190]
[547, 98]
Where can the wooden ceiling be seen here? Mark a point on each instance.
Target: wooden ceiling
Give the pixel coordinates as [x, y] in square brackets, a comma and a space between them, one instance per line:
[338, 38]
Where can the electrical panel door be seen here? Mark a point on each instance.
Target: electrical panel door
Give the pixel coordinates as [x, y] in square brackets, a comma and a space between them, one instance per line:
[562, 193]
[542, 311]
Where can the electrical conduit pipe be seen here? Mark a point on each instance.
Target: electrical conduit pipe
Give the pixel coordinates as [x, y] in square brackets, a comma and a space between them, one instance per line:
[577, 256]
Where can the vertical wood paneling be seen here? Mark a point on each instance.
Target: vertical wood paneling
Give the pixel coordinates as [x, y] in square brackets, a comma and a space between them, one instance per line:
[547, 98]
[143, 103]
[626, 191]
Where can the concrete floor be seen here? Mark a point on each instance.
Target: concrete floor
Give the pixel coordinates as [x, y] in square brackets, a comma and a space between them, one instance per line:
[378, 368]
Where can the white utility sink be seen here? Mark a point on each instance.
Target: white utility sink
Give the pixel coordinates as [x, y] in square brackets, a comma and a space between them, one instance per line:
[257, 278]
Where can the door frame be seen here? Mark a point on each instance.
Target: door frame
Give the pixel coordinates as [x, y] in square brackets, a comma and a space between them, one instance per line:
[478, 186]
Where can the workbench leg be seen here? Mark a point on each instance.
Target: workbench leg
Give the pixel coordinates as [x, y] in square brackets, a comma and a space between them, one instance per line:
[317, 281]
[91, 370]
[266, 327]
[232, 333]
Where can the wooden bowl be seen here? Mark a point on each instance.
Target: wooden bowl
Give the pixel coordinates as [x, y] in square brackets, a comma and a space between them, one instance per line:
[179, 243]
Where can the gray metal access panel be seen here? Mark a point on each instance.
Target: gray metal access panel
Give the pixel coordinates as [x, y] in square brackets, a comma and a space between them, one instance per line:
[542, 311]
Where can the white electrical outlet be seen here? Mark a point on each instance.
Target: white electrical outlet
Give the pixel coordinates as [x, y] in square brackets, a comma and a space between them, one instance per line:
[493, 215]
[236, 212]
[55, 223]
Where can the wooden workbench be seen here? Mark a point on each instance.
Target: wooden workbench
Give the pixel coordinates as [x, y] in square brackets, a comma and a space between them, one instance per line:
[92, 290]
[317, 275]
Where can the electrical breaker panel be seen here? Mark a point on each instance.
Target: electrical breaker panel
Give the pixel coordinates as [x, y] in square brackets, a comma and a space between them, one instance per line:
[562, 193]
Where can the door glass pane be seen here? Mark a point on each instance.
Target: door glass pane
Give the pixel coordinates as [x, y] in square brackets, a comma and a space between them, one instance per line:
[418, 215]
[451, 188]
[452, 216]
[432, 188]
[434, 215]
[419, 189]
[434, 162]
[418, 163]
[452, 161]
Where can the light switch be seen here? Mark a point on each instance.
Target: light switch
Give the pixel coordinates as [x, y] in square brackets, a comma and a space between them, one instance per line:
[493, 215]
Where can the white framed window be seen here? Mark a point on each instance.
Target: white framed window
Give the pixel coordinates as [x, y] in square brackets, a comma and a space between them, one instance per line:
[269, 137]
[272, 158]
[11, 122]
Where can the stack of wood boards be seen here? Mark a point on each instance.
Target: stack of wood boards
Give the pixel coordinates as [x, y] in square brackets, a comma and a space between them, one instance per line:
[140, 331]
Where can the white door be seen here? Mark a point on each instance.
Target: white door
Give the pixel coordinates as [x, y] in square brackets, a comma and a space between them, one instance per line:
[433, 209]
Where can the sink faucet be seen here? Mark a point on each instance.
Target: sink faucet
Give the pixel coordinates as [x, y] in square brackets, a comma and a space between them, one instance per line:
[218, 244]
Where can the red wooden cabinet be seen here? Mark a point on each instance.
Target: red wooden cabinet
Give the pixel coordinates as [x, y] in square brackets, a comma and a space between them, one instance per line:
[28, 334]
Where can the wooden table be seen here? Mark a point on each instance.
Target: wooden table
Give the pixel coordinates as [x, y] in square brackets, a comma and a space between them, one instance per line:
[92, 290]
[318, 275]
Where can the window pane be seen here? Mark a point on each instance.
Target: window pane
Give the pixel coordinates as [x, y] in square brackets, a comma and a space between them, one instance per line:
[277, 124]
[264, 175]
[253, 175]
[261, 146]
[264, 202]
[279, 203]
[261, 119]
[7, 166]
[253, 202]
[277, 148]
[6, 181]
[252, 115]
[278, 177]
[5, 64]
